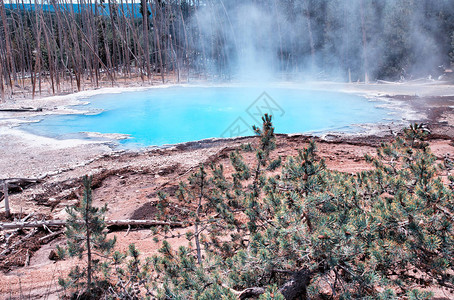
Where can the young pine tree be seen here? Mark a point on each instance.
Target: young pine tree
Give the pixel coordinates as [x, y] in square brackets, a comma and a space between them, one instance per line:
[87, 240]
[133, 277]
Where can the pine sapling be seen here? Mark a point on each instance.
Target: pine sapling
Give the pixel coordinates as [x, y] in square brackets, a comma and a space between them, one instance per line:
[87, 240]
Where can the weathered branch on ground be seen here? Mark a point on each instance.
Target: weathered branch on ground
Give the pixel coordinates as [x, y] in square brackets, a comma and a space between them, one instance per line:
[27, 217]
[117, 224]
[446, 212]
[251, 292]
[10, 236]
[14, 182]
[295, 288]
[17, 243]
[51, 236]
[22, 109]
[110, 224]
[31, 224]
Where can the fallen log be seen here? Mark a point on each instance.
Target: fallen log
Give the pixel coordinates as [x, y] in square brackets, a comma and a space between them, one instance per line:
[50, 236]
[32, 224]
[118, 224]
[22, 109]
[110, 223]
[21, 181]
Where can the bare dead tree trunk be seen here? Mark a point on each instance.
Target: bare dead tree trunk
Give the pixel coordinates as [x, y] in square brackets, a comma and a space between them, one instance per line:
[2, 89]
[137, 49]
[145, 36]
[29, 50]
[124, 42]
[115, 51]
[60, 39]
[49, 53]
[281, 53]
[5, 195]
[37, 50]
[203, 48]
[157, 38]
[363, 29]
[186, 44]
[86, 29]
[96, 24]
[76, 53]
[177, 63]
[21, 67]
[311, 38]
[52, 36]
[9, 53]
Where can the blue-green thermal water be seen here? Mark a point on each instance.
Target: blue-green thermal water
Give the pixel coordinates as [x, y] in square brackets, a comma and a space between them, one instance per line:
[180, 114]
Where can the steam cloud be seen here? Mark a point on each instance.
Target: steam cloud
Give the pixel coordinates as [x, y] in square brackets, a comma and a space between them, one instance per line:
[337, 39]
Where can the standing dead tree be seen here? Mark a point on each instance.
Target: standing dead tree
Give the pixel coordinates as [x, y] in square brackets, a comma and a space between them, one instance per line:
[13, 184]
[5, 198]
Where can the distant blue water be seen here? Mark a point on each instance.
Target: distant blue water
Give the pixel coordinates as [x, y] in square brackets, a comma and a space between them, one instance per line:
[180, 114]
[103, 9]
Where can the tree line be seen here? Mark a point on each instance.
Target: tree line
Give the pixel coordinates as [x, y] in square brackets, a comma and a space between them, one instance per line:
[65, 45]
[87, 42]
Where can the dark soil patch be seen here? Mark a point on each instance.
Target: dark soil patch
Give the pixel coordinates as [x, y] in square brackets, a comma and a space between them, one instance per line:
[151, 211]
[11, 218]
[146, 211]
[99, 179]
[169, 190]
[22, 252]
[168, 170]
[17, 246]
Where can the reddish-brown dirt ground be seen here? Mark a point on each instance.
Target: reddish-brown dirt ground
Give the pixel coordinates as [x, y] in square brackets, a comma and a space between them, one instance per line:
[128, 183]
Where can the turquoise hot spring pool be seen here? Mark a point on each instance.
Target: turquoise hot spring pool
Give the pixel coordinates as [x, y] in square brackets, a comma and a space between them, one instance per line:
[160, 116]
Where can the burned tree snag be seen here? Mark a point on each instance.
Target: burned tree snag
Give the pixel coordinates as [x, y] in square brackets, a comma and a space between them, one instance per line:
[5, 195]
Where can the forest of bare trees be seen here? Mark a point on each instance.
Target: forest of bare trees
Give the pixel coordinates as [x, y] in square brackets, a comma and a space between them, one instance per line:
[60, 46]
[65, 46]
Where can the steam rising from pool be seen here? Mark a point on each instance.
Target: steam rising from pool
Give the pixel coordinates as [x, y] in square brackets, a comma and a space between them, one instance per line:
[181, 114]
